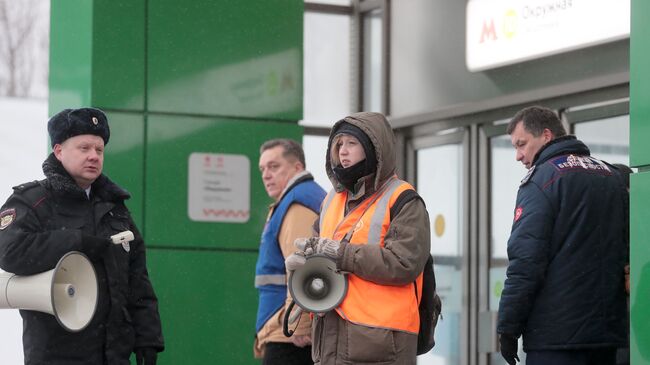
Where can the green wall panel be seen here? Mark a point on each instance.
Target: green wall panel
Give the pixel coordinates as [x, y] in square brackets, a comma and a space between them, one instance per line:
[640, 268]
[70, 54]
[118, 69]
[640, 84]
[208, 305]
[124, 159]
[170, 142]
[639, 184]
[227, 58]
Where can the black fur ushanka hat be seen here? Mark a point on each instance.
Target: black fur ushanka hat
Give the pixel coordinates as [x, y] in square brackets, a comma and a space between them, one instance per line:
[73, 122]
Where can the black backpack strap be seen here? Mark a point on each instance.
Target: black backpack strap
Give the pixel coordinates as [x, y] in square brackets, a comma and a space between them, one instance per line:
[405, 197]
[429, 309]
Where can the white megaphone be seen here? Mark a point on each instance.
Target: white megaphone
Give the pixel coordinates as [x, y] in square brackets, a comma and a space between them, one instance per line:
[68, 292]
[317, 287]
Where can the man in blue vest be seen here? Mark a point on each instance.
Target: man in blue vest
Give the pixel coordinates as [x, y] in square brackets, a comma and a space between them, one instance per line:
[297, 199]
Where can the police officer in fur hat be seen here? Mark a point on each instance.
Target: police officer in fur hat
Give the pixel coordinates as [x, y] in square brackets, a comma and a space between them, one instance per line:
[77, 208]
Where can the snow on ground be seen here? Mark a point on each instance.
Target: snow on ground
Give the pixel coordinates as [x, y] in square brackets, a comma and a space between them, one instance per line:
[23, 147]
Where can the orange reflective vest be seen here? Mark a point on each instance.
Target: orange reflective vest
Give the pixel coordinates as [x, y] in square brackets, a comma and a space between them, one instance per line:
[368, 303]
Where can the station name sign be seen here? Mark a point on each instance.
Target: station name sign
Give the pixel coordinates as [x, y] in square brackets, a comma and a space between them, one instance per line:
[505, 32]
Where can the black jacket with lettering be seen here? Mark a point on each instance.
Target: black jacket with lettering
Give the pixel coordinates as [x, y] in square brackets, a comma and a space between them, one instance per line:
[565, 278]
[43, 220]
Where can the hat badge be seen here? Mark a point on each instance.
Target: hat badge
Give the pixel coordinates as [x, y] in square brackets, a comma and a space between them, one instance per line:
[95, 120]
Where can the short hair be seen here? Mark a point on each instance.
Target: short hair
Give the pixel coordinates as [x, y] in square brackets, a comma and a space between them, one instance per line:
[292, 149]
[536, 119]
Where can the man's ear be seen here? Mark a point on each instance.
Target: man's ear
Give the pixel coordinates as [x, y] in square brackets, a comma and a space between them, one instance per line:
[57, 151]
[548, 135]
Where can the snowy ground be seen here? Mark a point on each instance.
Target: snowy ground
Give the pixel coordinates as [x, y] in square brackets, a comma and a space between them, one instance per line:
[23, 147]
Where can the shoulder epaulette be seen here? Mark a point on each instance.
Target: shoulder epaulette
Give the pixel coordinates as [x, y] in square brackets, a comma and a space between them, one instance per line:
[33, 191]
[26, 186]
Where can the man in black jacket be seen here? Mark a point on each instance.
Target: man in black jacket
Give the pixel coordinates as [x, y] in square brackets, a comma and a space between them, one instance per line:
[564, 290]
[77, 208]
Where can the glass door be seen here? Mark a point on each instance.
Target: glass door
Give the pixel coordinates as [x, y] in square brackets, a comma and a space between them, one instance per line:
[441, 180]
[505, 174]
[608, 139]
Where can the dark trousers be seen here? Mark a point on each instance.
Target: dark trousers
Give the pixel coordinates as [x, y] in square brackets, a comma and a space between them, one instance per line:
[602, 356]
[280, 353]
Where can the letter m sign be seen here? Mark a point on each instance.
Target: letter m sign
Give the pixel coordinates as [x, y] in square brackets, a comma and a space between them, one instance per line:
[488, 32]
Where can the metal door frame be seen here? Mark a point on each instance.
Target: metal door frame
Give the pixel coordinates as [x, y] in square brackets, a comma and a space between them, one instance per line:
[462, 136]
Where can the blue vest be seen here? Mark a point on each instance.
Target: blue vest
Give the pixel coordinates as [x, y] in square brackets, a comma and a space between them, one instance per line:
[270, 273]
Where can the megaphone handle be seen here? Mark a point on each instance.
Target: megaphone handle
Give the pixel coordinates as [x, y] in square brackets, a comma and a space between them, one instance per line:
[295, 315]
[287, 320]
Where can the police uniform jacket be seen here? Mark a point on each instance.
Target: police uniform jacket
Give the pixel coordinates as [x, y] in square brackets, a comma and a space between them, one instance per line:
[565, 278]
[45, 219]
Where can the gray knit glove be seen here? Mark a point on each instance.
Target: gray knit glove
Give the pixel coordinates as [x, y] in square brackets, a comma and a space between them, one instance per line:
[311, 246]
[298, 258]
[329, 247]
[325, 246]
[294, 261]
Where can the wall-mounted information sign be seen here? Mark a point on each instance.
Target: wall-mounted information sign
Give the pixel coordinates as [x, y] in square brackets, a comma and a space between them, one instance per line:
[218, 188]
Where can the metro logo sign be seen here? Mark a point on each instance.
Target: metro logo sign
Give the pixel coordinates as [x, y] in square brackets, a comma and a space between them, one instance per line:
[508, 27]
[488, 32]
[504, 32]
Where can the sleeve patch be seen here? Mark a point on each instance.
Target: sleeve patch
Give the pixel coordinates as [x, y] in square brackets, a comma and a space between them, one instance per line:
[7, 217]
[518, 212]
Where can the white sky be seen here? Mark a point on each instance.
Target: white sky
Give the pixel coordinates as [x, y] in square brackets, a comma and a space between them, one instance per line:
[23, 147]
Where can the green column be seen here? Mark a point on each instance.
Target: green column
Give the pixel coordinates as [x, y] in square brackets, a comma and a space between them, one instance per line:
[640, 184]
[214, 77]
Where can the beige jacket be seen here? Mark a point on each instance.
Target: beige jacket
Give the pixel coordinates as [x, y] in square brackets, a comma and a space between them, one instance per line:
[297, 223]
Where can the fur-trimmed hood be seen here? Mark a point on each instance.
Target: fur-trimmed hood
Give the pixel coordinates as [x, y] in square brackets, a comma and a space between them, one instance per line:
[380, 133]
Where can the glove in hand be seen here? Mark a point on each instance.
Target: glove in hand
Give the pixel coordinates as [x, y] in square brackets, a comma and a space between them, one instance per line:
[146, 356]
[294, 261]
[326, 246]
[509, 348]
[302, 243]
[311, 246]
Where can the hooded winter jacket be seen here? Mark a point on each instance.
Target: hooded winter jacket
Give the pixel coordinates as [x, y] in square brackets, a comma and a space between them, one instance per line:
[565, 278]
[51, 217]
[399, 262]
